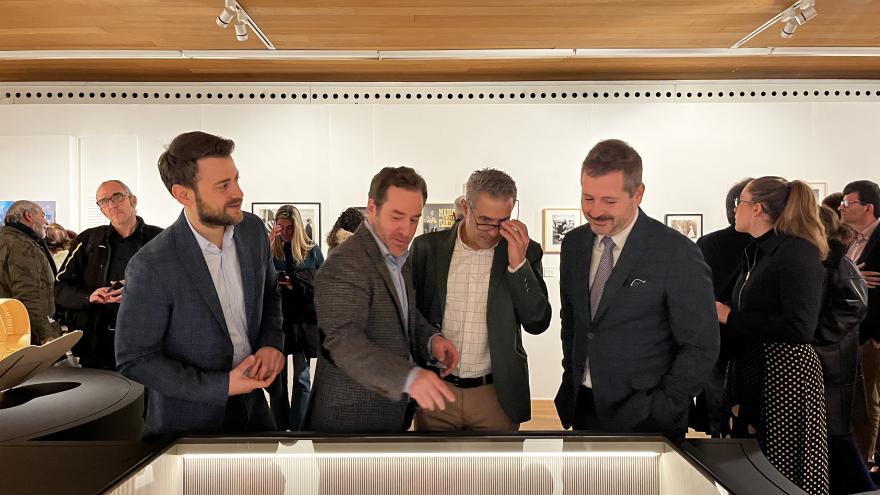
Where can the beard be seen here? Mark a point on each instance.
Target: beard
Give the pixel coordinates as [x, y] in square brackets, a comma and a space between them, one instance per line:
[219, 217]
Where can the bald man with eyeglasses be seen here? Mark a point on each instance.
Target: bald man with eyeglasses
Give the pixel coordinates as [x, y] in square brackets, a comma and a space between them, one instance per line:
[91, 280]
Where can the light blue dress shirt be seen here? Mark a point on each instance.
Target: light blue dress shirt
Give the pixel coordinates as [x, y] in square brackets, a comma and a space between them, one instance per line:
[226, 275]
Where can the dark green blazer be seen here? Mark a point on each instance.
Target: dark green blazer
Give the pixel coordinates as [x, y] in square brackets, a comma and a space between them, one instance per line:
[516, 300]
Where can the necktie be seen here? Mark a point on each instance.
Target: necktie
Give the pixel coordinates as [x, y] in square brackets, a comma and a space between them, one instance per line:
[606, 264]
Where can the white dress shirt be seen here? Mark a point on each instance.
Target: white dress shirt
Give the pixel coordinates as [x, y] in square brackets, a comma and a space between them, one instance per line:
[226, 275]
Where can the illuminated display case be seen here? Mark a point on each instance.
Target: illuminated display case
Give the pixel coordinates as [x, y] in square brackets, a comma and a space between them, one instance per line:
[510, 465]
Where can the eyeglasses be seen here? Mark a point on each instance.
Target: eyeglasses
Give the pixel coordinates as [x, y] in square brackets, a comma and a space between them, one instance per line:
[115, 198]
[738, 201]
[492, 226]
[846, 202]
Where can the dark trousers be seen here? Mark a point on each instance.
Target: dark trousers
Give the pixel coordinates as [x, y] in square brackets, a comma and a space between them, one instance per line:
[846, 470]
[585, 418]
[289, 413]
[248, 413]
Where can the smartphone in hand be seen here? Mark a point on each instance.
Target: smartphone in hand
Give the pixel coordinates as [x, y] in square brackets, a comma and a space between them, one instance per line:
[116, 285]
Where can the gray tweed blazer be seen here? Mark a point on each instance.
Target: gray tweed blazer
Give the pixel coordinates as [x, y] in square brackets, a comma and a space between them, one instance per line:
[366, 350]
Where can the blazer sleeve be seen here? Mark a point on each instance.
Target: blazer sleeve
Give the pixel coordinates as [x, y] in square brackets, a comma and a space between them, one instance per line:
[342, 301]
[801, 277]
[529, 291]
[141, 325]
[566, 315]
[693, 323]
[70, 290]
[271, 332]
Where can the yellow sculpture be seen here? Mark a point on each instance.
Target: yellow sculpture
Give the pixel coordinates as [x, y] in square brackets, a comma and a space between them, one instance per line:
[15, 327]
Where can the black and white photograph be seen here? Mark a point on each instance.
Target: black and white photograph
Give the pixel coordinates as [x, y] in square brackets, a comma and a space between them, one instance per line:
[689, 224]
[557, 223]
[310, 213]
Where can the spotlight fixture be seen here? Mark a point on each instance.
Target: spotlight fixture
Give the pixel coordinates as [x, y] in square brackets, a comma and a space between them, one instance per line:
[226, 14]
[797, 15]
[241, 27]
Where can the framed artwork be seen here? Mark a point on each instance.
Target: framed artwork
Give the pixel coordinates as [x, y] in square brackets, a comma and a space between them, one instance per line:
[557, 222]
[689, 224]
[820, 190]
[437, 217]
[48, 207]
[310, 213]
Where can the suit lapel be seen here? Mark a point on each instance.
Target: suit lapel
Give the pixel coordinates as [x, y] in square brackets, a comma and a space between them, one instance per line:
[248, 280]
[195, 266]
[583, 256]
[630, 255]
[376, 255]
[869, 247]
[499, 264]
[442, 264]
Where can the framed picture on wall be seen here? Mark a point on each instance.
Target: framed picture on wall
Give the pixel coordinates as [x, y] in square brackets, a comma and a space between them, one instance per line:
[557, 222]
[689, 224]
[310, 213]
[437, 217]
[820, 190]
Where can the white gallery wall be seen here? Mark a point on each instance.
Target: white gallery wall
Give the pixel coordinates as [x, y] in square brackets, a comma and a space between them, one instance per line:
[693, 150]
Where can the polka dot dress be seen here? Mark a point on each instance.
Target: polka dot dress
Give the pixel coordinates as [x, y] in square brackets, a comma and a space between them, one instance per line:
[777, 395]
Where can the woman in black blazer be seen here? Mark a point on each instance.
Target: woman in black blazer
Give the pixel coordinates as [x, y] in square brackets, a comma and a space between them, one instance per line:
[774, 383]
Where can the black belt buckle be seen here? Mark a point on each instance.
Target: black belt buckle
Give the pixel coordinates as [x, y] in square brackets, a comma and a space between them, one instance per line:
[469, 382]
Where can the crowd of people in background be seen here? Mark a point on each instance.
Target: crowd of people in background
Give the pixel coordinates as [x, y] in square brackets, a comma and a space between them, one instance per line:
[766, 329]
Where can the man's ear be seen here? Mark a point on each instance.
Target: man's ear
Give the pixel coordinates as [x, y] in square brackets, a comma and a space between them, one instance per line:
[183, 195]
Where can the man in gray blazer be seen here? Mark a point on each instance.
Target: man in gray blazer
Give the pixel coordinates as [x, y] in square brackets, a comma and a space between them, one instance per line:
[639, 328]
[200, 320]
[480, 283]
[371, 332]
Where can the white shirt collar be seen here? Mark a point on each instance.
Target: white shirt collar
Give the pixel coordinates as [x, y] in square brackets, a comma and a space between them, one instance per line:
[204, 243]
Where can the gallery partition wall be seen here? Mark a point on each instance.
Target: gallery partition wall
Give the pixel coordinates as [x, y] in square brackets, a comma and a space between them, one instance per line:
[319, 145]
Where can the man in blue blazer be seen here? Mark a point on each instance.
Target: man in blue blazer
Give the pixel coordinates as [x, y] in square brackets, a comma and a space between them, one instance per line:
[639, 328]
[200, 321]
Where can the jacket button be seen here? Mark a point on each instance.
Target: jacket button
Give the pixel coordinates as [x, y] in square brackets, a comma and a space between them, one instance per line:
[590, 335]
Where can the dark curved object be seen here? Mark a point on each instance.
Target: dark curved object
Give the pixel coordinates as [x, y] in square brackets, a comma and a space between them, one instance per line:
[23, 394]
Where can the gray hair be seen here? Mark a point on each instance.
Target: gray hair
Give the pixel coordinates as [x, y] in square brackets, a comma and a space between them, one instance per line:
[15, 213]
[118, 182]
[492, 182]
[458, 208]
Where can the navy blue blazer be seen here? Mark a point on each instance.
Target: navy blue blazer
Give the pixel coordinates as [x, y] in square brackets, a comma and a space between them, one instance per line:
[171, 335]
[655, 335]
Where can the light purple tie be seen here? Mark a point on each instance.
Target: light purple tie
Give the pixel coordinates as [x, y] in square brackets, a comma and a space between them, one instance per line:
[606, 264]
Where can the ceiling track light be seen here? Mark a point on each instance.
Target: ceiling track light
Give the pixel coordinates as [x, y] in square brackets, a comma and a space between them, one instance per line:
[797, 14]
[233, 12]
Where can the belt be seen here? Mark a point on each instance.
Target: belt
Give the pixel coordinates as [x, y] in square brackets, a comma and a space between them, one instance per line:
[469, 382]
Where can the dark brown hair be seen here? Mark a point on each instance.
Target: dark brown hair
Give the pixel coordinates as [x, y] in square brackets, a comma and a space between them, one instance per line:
[833, 201]
[869, 194]
[835, 230]
[613, 155]
[178, 164]
[349, 220]
[403, 177]
[792, 208]
[730, 201]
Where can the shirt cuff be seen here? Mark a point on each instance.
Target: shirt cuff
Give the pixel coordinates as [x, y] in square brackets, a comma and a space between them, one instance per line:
[410, 378]
[514, 270]
[431, 341]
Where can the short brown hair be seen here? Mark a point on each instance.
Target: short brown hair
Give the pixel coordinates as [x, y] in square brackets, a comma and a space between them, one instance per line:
[403, 177]
[178, 164]
[613, 155]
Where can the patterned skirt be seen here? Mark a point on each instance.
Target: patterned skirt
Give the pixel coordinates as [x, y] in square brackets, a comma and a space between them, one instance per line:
[776, 395]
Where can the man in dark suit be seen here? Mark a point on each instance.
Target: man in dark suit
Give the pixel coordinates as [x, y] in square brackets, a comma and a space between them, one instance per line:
[639, 327]
[480, 282]
[723, 251]
[860, 209]
[200, 324]
[372, 334]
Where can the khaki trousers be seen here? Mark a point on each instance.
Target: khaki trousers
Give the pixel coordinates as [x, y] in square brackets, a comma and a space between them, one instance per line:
[866, 434]
[474, 408]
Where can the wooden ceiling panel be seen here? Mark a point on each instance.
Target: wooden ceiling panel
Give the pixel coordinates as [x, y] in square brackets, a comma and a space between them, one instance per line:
[430, 25]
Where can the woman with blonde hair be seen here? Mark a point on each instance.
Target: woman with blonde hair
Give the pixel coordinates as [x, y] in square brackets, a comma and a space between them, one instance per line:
[774, 384]
[296, 259]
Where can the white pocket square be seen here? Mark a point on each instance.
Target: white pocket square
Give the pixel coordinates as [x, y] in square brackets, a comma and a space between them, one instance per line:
[637, 282]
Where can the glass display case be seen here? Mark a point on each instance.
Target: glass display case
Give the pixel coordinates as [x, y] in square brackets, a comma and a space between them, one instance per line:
[527, 464]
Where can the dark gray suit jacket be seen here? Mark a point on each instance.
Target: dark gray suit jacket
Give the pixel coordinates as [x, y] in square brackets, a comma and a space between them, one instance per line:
[516, 300]
[655, 335]
[366, 350]
[171, 335]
